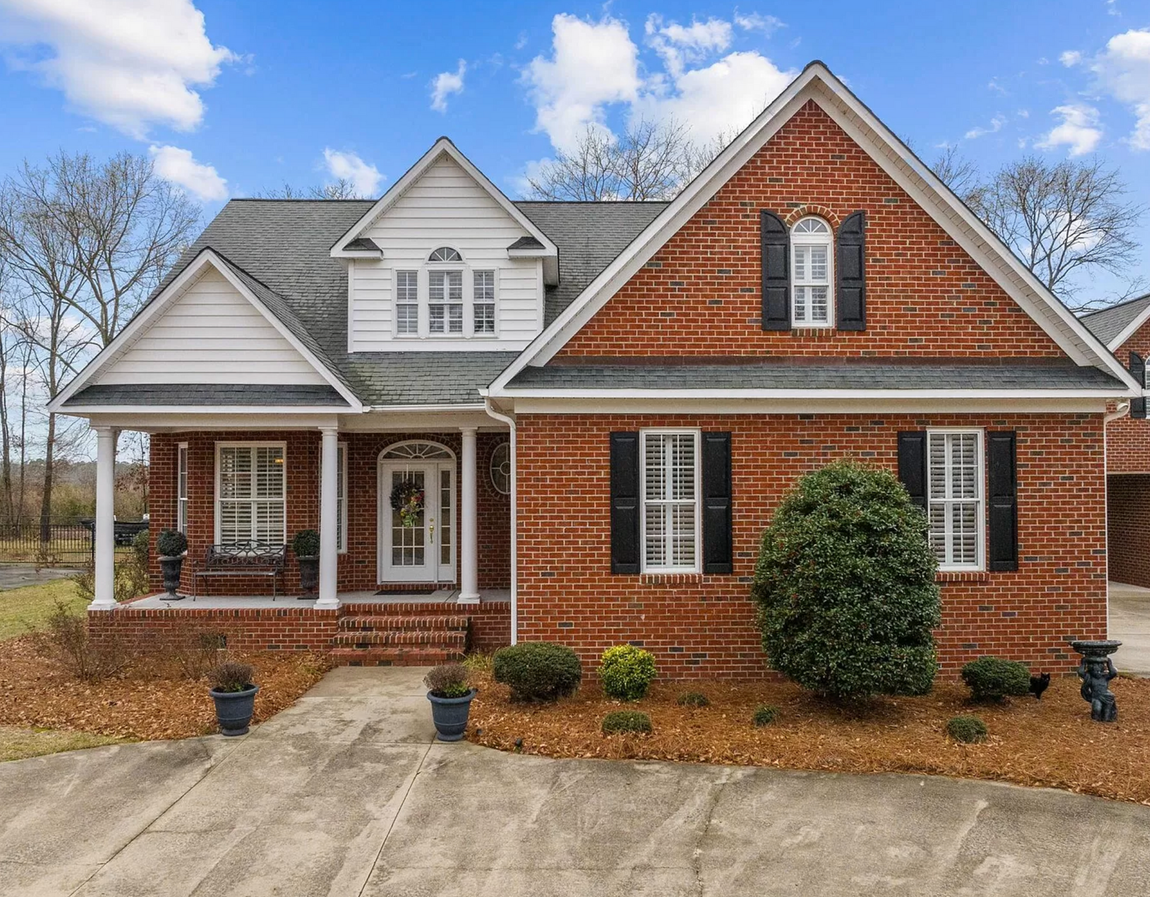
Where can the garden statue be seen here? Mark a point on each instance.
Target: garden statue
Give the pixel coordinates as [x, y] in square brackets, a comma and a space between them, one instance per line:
[1096, 670]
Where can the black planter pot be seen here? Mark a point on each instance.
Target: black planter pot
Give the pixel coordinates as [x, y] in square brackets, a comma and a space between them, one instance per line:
[450, 715]
[170, 567]
[308, 575]
[234, 709]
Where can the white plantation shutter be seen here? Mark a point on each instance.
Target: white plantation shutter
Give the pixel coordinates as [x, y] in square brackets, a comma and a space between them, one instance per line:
[954, 490]
[445, 301]
[670, 500]
[182, 488]
[483, 301]
[252, 493]
[811, 273]
[407, 302]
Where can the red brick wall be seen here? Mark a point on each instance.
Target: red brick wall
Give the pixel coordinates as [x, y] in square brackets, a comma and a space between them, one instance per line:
[1128, 512]
[358, 566]
[703, 625]
[246, 630]
[701, 293]
[1127, 439]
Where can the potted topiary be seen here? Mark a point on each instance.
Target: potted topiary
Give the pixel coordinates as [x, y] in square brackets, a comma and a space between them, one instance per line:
[234, 694]
[450, 698]
[305, 546]
[172, 547]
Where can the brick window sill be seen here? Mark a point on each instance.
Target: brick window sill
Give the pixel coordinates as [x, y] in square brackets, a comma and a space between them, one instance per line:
[962, 576]
[671, 579]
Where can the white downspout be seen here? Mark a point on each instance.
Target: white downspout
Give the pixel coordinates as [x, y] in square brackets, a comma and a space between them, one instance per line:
[510, 421]
[1119, 412]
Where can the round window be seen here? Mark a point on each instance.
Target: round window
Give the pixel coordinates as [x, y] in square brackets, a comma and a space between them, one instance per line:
[501, 468]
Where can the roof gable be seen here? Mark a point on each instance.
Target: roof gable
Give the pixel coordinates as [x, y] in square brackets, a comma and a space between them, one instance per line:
[1117, 324]
[817, 84]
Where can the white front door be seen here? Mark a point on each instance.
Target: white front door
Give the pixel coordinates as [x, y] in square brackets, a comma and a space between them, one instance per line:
[417, 545]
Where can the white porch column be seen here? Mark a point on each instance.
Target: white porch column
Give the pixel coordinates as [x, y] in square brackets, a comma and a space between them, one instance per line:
[469, 522]
[105, 548]
[328, 495]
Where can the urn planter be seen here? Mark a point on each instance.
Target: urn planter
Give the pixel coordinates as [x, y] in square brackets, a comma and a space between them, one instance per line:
[450, 715]
[171, 567]
[308, 575]
[234, 709]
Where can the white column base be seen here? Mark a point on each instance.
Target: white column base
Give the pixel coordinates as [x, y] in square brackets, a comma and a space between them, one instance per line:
[469, 600]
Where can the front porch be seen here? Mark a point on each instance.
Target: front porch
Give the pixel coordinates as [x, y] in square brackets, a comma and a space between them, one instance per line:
[446, 596]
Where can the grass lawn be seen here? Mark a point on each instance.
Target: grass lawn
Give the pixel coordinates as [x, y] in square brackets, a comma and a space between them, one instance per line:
[19, 744]
[31, 605]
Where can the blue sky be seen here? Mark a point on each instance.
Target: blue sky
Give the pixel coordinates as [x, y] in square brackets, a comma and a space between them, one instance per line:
[231, 98]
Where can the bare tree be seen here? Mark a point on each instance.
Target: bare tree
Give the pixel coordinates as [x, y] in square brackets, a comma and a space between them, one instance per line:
[960, 175]
[341, 188]
[649, 160]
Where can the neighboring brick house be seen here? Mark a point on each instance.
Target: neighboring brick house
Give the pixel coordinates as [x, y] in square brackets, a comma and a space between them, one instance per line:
[1125, 329]
[600, 404]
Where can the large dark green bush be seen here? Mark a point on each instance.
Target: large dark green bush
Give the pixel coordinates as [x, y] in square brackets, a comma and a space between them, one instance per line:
[966, 729]
[626, 672]
[619, 722]
[537, 671]
[992, 678]
[845, 586]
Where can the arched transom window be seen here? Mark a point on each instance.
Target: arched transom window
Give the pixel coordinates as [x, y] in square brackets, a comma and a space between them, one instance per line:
[812, 262]
[415, 451]
[445, 254]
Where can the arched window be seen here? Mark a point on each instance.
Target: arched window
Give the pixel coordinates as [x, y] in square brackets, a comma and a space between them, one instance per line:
[445, 294]
[812, 274]
[415, 451]
[445, 254]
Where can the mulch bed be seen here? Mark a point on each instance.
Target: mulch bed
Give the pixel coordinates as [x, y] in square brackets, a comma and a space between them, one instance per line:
[1051, 742]
[149, 699]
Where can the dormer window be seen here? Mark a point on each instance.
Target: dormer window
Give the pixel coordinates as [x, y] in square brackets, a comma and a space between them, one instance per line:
[812, 297]
[445, 254]
[446, 298]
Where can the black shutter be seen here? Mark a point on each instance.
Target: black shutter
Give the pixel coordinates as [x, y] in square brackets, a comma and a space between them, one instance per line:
[624, 502]
[912, 465]
[850, 301]
[1138, 370]
[717, 503]
[1002, 483]
[775, 240]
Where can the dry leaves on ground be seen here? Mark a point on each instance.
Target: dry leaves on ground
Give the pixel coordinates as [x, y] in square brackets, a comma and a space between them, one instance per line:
[1051, 742]
[147, 700]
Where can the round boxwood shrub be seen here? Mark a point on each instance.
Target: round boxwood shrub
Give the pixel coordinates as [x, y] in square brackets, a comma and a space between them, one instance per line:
[626, 672]
[845, 586]
[537, 671]
[764, 716]
[619, 722]
[171, 543]
[967, 729]
[993, 678]
[694, 699]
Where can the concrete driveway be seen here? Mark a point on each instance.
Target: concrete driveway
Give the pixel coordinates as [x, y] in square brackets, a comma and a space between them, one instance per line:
[345, 794]
[1130, 624]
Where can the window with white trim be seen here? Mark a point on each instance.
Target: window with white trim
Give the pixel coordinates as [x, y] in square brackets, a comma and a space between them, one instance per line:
[670, 512]
[955, 476]
[445, 301]
[812, 299]
[251, 493]
[483, 301]
[341, 497]
[182, 488]
[407, 303]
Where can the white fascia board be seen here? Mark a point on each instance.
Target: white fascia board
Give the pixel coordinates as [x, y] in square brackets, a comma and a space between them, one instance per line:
[944, 395]
[1082, 346]
[808, 405]
[1129, 330]
[142, 321]
[227, 410]
[442, 146]
[361, 254]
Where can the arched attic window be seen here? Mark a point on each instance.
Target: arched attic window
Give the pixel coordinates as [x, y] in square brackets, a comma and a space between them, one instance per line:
[812, 275]
[445, 254]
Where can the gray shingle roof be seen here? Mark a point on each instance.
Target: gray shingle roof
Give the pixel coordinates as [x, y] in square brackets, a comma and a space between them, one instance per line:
[206, 394]
[1109, 322]
[363, 243]
[526, 243]
[856, 375]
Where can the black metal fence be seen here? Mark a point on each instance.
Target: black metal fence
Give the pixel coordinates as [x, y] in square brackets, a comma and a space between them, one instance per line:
[68, 543]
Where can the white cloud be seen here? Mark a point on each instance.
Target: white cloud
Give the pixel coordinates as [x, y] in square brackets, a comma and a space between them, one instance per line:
[128, 63]
[179, 167]
[1079, 129]
[349, 166]
[995, 126]
[591, 64]
[993, 84]
[445, 84]
[752, 21]
[1070, 58]
[1123, 71]
[679, 44]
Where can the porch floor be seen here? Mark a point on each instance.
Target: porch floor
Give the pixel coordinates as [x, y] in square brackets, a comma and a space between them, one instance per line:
[252, 602]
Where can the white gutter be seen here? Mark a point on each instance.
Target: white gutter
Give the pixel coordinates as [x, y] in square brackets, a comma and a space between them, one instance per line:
[510, 421]
[1121, 411]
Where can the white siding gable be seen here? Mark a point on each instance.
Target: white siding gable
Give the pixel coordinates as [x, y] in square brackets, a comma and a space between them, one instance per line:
[444, 207]
[210, 334]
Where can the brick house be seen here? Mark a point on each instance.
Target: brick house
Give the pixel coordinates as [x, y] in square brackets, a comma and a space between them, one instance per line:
[1125, 329]
[600, 404]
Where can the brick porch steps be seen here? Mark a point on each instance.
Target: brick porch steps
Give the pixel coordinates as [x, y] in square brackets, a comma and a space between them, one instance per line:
[409, 635]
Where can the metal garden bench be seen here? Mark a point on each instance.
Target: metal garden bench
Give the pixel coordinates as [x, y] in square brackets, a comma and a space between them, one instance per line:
[250, 558]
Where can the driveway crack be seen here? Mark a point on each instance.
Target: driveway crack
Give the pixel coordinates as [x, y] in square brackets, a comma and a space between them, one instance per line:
[697, 854]
[395, 818]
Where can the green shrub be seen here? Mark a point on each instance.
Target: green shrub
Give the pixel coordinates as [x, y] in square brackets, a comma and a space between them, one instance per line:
[626, 672]
[992, 678]
[619, 722]
[764, 716]
[305, 544]
[694, 699]
[171, 543]
[537, 671]
[845, 586]
[966, 729]
[140, 549]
